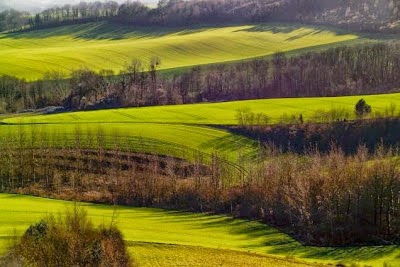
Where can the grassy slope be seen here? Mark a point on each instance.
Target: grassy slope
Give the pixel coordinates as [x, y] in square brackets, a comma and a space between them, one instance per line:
[177, 130]
[182, 141]
[182, 125]
[214, 113]
[148, 254]
[187, 239]
[102, 45]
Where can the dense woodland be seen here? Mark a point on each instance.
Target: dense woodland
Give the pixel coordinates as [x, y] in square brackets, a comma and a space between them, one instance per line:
[373, 68]
[322, 199]
[372, 15]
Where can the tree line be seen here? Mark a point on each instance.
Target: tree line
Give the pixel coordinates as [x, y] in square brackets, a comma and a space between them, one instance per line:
[299, 136]
[320, 198]
[347, 70]
[377, 15]
[13, 20]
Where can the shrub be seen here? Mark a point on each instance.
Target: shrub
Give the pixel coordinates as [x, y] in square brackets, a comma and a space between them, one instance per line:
[362, 108]
[71, 240]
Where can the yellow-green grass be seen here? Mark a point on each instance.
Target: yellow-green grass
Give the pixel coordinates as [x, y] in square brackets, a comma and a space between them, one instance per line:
[215, 113]
[151, 254]
[182, 129]
[107, 46]
[166, 238]
[178, 140]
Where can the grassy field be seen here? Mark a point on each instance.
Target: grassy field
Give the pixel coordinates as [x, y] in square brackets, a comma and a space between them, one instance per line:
[178, 140]
[180, 130]
[187, 239]
[214, 113]
[106, 46]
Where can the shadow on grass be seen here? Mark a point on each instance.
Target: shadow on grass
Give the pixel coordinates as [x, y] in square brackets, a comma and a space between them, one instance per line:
[103, 31]
[256, 237]
[345, 254]
[265, 239]
[230, 143]
[107, 30]
[286, 28]
[245, 229]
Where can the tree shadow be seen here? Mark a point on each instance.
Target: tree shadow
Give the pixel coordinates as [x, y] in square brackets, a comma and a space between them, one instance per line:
[345, 254]
[102, 31]
[269, 240]
[304, 34]
[231, 143]
[261, 237]
[305, 30]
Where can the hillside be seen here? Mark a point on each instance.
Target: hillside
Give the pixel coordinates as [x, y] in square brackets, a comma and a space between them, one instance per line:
[182, 130]
[181, 237]
[209, 114]
[361, 15]
[108, 46]
[200, 133]
[364, 15]
[186, 238]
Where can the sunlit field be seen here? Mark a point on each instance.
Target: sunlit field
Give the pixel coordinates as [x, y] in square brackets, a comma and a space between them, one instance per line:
[184, 130]
[107, 46]
[216, 113]
[170, 238]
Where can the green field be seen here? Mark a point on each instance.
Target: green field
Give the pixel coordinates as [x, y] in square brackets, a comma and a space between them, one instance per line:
[193, 239]
[106, 46]
[178, 140]
[214, 113]
[187, 239]
[178, 130]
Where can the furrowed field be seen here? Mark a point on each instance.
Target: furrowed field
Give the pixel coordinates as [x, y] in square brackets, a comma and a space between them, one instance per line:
[103, 46]
[187, 239]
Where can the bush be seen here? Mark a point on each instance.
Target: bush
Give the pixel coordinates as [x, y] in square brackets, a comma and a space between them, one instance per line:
[362, 108]
[71, 240]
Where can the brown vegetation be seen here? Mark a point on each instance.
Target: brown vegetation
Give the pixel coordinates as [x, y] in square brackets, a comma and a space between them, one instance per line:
[335, 127]
[70, 240]
[323, 199]
[367, 15]
[340, 71]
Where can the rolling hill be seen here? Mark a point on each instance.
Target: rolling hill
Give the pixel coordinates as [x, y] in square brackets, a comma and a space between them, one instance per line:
[197, 133]
[105, 45]
[184, 238]
[212, 113]
[183, 130]
[187, 239]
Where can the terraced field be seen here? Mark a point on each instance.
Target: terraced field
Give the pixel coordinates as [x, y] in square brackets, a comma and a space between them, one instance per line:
[106, 46]
[187, 239]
